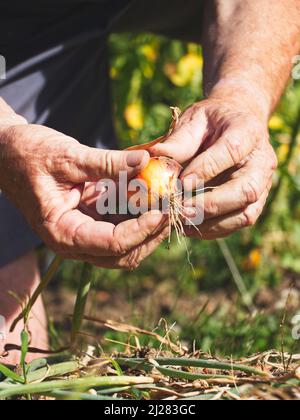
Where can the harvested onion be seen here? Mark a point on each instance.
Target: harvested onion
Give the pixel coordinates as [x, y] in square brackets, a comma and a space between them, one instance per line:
[160, 178]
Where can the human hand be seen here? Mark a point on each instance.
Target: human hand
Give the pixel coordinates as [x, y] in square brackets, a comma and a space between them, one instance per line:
[221, 143]
[44, 172]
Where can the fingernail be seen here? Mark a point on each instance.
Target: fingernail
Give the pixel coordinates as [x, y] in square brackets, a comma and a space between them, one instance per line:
[190, 212]
[134, 159]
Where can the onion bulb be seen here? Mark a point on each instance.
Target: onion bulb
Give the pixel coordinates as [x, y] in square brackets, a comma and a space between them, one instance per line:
[160, 178]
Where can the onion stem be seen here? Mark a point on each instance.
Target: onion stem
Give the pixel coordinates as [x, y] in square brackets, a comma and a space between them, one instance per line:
[196, 363]
[73, 384]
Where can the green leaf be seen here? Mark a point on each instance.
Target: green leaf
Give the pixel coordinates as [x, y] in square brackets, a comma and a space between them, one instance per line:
[8, 373]
[117, 367]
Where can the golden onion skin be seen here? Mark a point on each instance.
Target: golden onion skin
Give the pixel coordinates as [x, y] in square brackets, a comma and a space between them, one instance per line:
[161, 177]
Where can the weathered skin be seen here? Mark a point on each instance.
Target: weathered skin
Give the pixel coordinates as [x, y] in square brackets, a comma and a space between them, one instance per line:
[54, 169]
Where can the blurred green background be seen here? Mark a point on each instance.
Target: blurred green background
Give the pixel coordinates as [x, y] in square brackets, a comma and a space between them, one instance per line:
[205, 307]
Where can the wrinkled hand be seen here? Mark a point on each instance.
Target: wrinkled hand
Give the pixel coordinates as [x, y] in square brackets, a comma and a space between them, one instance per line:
[222, 145]
[44, 173]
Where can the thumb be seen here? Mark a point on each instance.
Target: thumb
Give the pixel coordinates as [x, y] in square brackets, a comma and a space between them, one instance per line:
[95, 164]
[183, 144]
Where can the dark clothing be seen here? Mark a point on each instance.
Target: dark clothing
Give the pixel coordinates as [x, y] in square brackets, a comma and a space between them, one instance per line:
[57, 72]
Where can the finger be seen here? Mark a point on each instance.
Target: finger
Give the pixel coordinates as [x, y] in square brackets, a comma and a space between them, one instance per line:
[246, 187]
[228, 151]
[186, 139]
[134, 258]
[134, 232]
[88, 164]
[226, 225]
[80, 234]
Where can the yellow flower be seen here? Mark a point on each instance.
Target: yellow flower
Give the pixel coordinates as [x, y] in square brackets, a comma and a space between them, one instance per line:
[282, 152]
[188, 67]
[252, 262]
[114, 73]
[190, 63]
[134, 117]
[276, 123]
[149, 52]
[199, 273]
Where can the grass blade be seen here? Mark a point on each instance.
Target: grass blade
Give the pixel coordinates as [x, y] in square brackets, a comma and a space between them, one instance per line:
[51, 371]
[79, 396]
[237, 277]
[172, 373]
[24, 351]
[81, 300]
[116, 366]
[197, 363]
[49, 361]
[187, 376]
[205, 397]
[8, 373]
[73, 384]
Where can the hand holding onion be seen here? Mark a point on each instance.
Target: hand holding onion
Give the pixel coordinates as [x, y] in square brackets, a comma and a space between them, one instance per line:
[219, 141]
[55, 178]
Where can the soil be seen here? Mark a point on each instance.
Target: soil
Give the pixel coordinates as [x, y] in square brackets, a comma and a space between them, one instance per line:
[152, 304]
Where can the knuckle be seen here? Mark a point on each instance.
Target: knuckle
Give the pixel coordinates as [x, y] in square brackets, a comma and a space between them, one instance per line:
[106, 162]
[117, 243]
[250, 191]
[110, 162]
[210, 167]
[64, 166]
[248, 219]
[234, 148]
[62, 160]
[211, 207]
[117, 248]
[70, 154]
